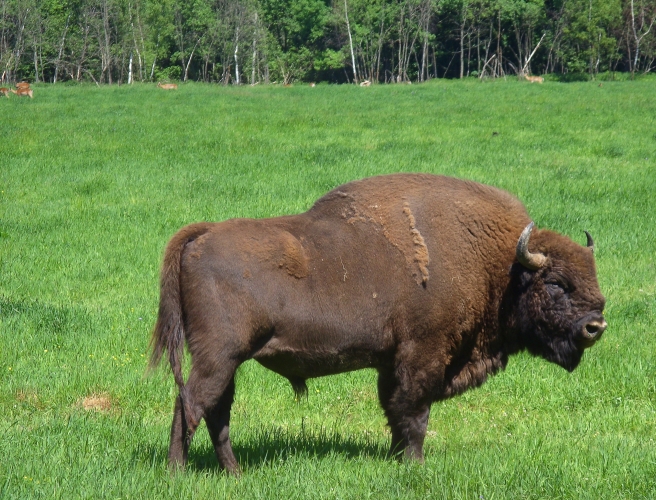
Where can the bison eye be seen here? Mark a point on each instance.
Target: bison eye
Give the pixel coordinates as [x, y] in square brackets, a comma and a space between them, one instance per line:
[557, 281]
[556, 287]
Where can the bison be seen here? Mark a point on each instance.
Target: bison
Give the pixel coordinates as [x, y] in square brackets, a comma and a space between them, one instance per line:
[430, 280]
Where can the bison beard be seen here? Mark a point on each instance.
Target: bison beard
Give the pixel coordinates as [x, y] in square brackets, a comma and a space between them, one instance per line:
[432, 281]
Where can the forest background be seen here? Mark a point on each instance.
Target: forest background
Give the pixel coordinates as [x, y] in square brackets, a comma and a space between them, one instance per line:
[286, 41]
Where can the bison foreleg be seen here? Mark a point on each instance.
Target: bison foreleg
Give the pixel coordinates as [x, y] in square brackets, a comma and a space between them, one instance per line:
[407, 409]
[408, 433]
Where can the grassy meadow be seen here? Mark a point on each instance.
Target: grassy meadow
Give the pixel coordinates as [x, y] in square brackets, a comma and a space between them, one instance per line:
[94, 181]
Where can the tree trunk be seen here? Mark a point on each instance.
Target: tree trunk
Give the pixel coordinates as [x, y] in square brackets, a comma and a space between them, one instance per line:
[348, 28]
[638, 39]
[468, 51]
[462, 51]
[380, 45]
[152, 68]
[463, 25]
[18, 47]
[36, 65]
[254, 51]
[425, 18]
[108, 42]
[83, 51]
[186, 66]
[136, 47]
[61, 49]
[237, 80]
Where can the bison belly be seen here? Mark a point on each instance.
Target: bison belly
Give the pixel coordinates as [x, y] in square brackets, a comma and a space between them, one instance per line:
[295, 362]
[338, 317]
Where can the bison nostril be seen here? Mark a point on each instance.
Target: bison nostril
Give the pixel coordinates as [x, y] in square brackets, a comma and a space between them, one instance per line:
[594, 329]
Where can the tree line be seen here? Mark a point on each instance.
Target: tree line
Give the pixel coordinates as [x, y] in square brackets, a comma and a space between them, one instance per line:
[283, 41]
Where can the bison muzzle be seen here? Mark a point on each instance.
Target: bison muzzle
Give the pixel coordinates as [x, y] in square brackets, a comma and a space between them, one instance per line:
[430, 280]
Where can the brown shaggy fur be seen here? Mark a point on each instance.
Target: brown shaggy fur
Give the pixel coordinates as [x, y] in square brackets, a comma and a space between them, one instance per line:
[414, 275]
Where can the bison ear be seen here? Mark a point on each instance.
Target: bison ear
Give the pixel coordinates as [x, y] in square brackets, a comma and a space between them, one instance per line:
[532, 261]
[590, 241]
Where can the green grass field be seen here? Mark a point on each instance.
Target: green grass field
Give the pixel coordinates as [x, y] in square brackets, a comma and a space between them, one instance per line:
[94, 181]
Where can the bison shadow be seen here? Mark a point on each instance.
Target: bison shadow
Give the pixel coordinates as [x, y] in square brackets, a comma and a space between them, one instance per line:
[270, 445]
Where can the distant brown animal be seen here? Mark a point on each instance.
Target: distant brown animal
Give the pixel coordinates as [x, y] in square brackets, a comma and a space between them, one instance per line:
[312, 84]
[4, 91]
[168, 86]
[430, 280]
[22, 85]
[23, 91]
[534, 79]
[365, 83]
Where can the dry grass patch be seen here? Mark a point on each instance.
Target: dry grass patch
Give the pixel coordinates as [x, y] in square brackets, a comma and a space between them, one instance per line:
[97, 402]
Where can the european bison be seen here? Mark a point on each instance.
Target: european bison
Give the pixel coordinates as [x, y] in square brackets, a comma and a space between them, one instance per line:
[432, 281]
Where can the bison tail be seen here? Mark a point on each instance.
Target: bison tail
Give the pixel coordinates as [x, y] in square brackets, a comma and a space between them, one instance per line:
[168, 334]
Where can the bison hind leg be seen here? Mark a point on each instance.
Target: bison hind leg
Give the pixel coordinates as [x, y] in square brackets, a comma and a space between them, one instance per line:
[218, 426]
[299, 386]
[207, 395]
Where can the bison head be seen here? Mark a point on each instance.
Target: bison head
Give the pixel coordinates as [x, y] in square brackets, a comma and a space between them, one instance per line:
[558, 302]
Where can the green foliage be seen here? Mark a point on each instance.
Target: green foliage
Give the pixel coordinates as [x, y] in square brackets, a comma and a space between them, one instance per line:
[589, 44]
[259, 41]
[297, 22]
[330, 59]
[94, 181]
[169, 73]
[297, 27]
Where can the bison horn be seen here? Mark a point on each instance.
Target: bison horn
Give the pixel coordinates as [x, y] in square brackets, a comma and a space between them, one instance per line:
[532, 261]
[590, 241]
